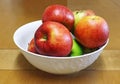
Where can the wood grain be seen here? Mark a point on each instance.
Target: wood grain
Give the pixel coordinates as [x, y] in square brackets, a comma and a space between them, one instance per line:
[39, 77]
[15, 69]
[15, 13]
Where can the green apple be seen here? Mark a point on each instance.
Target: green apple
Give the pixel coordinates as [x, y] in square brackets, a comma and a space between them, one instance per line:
[76, 49]
[79, 14]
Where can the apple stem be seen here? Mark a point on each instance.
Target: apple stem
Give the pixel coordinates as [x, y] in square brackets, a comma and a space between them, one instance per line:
[77, 12]
[44, 38]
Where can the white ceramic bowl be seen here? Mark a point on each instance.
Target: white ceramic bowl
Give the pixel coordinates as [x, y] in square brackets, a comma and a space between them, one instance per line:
[55, 65]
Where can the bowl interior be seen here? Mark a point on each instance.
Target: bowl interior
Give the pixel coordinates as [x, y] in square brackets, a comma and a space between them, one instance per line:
[25, 33]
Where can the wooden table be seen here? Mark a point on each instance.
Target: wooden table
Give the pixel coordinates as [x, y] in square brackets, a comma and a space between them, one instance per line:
[15, 69]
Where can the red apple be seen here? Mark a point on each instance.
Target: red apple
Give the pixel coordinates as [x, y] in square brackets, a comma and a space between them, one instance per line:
[59, 13]
[31, 46]
[53, 39]
[92, 31]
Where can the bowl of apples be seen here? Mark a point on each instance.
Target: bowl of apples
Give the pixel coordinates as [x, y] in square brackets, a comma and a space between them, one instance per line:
[63, 42]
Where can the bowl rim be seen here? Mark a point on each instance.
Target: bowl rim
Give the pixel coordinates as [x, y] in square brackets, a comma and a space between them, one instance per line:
[67, 57]
[46, 56]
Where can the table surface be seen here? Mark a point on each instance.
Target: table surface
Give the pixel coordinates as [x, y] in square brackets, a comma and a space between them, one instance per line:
[15, 69]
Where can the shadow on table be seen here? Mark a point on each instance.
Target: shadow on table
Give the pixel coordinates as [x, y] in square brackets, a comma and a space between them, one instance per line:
[23, 64]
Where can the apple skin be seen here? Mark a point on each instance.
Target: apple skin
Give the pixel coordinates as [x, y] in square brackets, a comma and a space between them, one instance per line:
[59, 13]
[92, 31]
[31, 46]
[53, 39]
[79, 14]
[76, 49]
